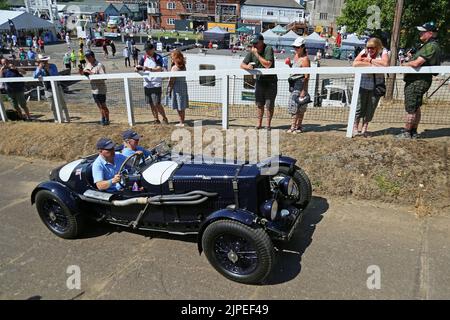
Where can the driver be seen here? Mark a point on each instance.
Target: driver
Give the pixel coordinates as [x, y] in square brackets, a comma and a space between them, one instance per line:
[131, 143]
[105, 169]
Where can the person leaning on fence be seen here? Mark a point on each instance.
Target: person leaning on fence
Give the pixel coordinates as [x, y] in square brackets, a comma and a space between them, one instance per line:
[98, 87]
[153, 62]
[131, 144]
[373, 86]
[416, 85]
[46, 69]
[15, 90]
[298, 86]
[105, 169]
[261, 56]
[177, 89]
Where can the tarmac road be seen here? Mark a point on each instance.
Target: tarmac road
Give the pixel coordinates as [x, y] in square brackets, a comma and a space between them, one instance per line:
[328, 258]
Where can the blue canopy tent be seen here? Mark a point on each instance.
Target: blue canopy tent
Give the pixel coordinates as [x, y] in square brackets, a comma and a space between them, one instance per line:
[314, 43]
[353, 41]
[219, 36]
[287, 40]
[279, 29]
[271, 38]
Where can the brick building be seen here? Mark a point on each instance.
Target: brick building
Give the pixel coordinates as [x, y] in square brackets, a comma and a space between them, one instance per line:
[198, 11]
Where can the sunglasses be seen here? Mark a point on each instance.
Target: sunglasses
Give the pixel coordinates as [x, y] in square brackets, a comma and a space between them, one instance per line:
[371, 48]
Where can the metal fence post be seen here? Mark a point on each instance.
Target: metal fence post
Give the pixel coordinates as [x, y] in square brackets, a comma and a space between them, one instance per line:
[225, 100]
[56, 100]
[352, 113]
[2, 109]
[126, 84]
[39, 93]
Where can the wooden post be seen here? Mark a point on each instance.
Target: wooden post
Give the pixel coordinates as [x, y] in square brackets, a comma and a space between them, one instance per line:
[395, 37]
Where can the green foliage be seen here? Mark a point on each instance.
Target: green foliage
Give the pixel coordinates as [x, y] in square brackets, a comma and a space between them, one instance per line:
[4, 5]
[415, 13]
[387, 185]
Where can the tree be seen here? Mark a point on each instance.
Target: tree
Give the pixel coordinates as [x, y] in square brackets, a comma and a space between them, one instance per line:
[4, 5]
[416, 12]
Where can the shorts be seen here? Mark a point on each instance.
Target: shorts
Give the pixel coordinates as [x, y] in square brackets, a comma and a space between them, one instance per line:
[414, 92]
[153, 96]
[99, 98]
[265, 93]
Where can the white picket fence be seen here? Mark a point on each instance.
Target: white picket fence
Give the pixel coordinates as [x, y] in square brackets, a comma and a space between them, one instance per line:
[225, 76]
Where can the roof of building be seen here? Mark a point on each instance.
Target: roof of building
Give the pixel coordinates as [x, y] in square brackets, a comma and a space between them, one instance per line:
[270, 3]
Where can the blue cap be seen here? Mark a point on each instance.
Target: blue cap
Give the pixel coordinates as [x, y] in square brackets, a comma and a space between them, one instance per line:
[256, 38]
[105, 144]
[130, 134]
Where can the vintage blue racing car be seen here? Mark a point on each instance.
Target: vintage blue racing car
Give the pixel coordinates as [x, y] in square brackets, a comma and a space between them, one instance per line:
[236, 210]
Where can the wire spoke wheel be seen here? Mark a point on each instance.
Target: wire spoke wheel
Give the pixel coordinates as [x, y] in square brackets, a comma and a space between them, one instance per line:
[56, 216]
[239, 252]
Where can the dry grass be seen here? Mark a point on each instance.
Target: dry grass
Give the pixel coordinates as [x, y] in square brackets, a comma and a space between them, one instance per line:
[405, 172]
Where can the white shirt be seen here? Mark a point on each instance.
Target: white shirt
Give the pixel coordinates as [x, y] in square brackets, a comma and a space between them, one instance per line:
[151, 82]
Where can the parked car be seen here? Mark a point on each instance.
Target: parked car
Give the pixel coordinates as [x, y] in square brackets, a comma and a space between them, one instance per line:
[235, 209]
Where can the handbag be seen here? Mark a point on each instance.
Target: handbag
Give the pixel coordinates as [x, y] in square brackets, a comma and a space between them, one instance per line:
[380, 88]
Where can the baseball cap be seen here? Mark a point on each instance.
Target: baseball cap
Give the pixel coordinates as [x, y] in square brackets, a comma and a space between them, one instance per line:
[130, 134]
[429, 26]
[256, 38]
[105, 144]
[89, 53]
[299, 42]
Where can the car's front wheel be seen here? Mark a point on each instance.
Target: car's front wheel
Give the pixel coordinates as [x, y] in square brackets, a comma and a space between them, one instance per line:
[238, 252]
[57, 217]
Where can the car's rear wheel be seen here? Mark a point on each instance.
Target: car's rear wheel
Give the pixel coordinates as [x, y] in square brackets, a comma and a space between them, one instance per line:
[57, 217]
[238, 252]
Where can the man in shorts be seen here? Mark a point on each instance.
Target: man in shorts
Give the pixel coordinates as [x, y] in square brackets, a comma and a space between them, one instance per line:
[416, 85]
[261, 56]
[153, 62]
[98, 86]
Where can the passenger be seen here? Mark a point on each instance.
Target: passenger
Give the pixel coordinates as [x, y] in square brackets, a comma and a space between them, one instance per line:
[369, 96]
[416, 85]
[298, 87]
[105, 169]
[261, 56]
[131, 142]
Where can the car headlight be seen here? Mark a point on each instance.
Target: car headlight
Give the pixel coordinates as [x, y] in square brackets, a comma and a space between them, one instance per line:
[269, 209]
[288, 187]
